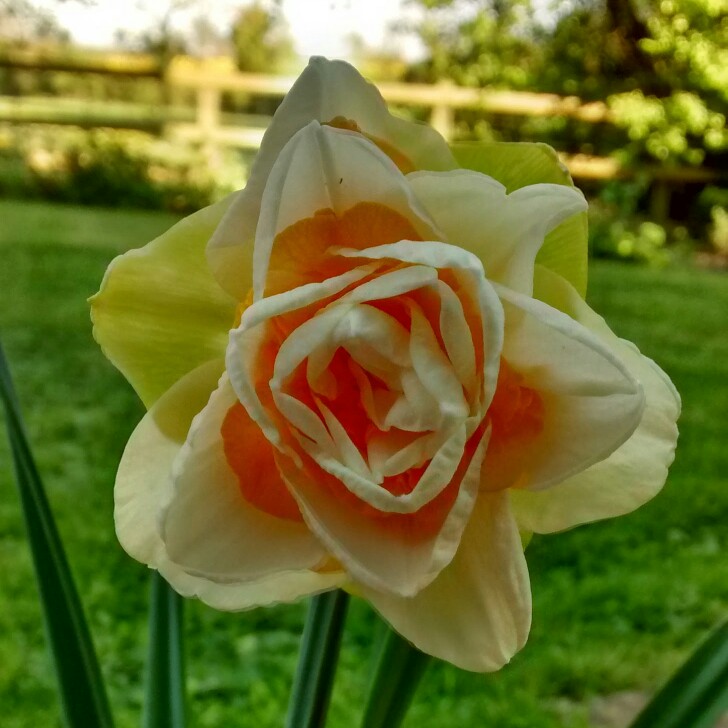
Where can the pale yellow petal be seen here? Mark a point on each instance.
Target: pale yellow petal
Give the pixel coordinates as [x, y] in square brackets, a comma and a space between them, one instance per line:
[160, 313]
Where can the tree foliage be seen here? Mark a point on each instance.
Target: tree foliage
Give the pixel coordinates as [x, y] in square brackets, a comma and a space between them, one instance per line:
[260, 39]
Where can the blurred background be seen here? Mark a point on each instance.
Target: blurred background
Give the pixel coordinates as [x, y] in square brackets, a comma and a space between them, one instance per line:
[118, 118]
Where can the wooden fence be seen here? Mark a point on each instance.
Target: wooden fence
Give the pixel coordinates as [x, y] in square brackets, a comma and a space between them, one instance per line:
[208, 125]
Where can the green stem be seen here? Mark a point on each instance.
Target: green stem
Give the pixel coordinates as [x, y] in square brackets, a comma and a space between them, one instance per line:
[317, 660]
[400, 668]
[164, 706]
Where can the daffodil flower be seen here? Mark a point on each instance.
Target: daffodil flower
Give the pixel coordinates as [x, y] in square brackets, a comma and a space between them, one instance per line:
[365, 370]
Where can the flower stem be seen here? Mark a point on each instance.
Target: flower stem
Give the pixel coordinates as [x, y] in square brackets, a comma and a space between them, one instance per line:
[316, 669]
[398, 672]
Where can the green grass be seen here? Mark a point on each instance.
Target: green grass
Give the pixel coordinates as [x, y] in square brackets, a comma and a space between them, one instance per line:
[617, 605]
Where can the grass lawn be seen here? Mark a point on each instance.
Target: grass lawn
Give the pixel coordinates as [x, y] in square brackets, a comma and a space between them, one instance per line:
[617, 605]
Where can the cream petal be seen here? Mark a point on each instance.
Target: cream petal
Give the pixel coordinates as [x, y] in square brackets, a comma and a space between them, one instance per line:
[437, 476]
[324, 91]
[591, 401]
[633, 473]
[518, 164]
[468, 269]
[505, 231]
[392, 561]
[209, 529]
[160, 312]
[476, 614]
[278, 588]
[457, 338]
[327, 89]
[143, 482]
[245, 341]
[322, 168]
[434, 369]
[145, 467]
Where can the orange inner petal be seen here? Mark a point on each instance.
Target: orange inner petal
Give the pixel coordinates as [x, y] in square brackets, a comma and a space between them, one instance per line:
[299, 254]
[516, 411]
[250, 456]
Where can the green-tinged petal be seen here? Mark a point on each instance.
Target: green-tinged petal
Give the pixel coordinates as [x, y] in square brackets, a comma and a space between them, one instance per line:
[518, 164]
[160, 313]
[634, 472]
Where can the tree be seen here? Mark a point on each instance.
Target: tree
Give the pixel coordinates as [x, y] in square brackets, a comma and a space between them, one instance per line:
[260, 39]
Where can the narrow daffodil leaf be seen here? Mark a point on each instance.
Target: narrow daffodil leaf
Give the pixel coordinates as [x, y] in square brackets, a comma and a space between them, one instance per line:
[314, 680]
[697, 694]
[398, 672]
[165, 700]
[83, 696]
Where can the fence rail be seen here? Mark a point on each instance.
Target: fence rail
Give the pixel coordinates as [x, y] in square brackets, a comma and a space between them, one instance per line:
[208, 125]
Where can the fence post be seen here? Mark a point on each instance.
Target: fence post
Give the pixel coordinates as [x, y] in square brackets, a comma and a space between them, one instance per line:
[208, 123]
[442, 117]
[660, 201]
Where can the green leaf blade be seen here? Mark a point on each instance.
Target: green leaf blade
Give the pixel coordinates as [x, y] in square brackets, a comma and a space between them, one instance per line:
[697, 694]
[400, 668]
[165, 702]
[82, 691]
[317, 660]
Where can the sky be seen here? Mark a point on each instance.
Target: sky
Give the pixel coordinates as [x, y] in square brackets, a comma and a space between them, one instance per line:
[318, 27]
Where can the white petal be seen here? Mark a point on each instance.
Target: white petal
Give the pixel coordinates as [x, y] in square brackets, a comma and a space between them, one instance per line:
[324, 91]
[378, 554]
[632, 474]
[477, 613]
[322, 168]
[468, 270]
[434, 369]
[437, 476]
[457, 337]
[209, 529]
[505, 231]
[591, 402]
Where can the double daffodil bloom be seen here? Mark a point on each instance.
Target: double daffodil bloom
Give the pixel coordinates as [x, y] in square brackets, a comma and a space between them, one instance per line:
[373, 369]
